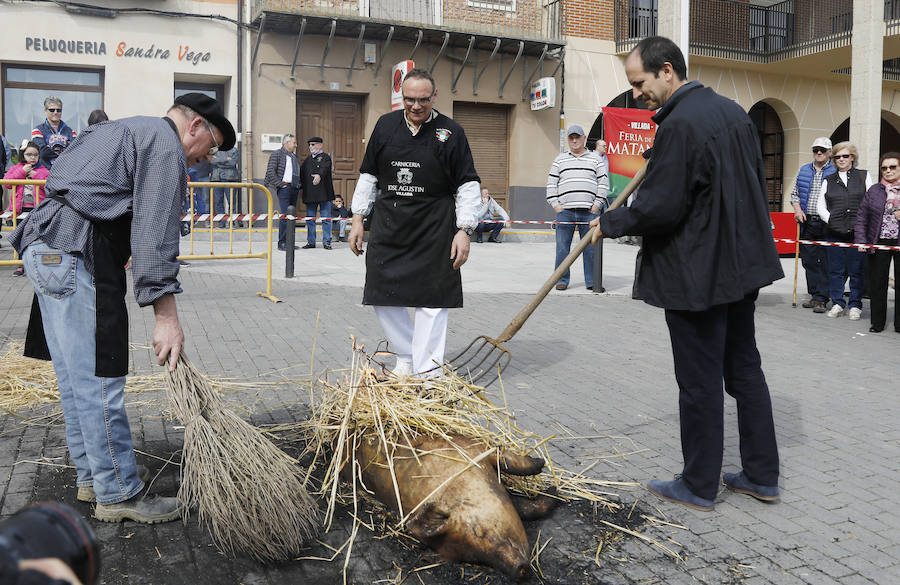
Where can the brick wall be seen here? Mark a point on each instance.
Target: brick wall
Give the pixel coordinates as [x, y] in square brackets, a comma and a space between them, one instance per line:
[492, 16]
[590, 19]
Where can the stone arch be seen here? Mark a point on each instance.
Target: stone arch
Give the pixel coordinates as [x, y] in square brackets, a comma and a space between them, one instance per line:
[890, 135]
[790, 159]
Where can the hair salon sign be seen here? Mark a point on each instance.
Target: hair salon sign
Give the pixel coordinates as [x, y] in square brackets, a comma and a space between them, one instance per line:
[184, 53]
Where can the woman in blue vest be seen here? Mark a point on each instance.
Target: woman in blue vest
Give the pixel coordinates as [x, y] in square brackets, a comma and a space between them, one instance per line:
[839, 202]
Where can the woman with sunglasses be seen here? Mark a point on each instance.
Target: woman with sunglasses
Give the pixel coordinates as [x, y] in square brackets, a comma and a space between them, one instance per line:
[878, 222]
[839, 202]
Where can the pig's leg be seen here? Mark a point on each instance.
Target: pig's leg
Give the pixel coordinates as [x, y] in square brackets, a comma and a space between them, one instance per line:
[533, 508]
[520, 464]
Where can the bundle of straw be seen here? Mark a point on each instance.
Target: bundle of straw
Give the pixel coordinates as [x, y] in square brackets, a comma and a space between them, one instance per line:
[248, 492]
[394, 411]
[25, 382]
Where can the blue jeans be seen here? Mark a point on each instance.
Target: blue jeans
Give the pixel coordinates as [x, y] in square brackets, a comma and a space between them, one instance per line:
[564, 234]
[97, 431]
[201, 194]
[849, 261]
[815, 259]
[223, 198]
[324, 208]
[287, 196]
[491, 226]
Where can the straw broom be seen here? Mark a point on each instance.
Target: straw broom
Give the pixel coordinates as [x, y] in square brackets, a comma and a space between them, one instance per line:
[248, 493]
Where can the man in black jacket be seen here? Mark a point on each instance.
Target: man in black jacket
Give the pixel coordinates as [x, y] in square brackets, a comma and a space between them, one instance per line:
[707, 251]
[318, 191]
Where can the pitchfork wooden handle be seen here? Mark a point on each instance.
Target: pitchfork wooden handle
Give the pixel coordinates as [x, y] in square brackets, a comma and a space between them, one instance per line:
[526, 312]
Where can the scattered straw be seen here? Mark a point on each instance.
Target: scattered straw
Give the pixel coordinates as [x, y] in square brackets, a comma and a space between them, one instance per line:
[247, 491]
[364, 405]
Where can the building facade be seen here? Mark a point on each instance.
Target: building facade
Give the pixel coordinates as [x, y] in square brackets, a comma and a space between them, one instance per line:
[800, 68]
[111, 57]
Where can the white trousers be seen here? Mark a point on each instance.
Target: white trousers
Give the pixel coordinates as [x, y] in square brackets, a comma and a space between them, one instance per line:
[419, 344]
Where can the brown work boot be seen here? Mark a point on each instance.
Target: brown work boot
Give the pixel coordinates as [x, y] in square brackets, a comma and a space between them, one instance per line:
[147, 509]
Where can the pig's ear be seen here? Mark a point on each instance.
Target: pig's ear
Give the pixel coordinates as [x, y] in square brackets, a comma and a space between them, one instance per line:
[429, 521]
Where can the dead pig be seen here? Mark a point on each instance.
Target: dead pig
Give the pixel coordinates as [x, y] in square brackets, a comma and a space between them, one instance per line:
[472, 518]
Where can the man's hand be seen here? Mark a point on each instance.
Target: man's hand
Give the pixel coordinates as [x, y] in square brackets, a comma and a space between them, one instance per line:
[459, 249]
[356, 234]
[799, 216]
[168, 338]
[595, 209]
[558, 208]
[595, 223]
[316, 179]
[54, 568]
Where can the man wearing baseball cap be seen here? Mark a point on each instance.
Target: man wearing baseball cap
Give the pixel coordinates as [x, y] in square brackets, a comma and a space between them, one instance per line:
[804, 199]
[114, 192]
[577, 187]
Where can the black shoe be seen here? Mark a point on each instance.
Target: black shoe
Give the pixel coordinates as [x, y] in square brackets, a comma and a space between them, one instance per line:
[808, 304]
[183, 264]
[308, 246]
[478, 239]
[342, 239]
[818, 306]
[493, 240]
[282, 247]
[874, 329]
[326, 246]
[20, 271]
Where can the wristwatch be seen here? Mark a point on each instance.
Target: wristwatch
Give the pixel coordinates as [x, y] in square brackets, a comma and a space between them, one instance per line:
[467, 229]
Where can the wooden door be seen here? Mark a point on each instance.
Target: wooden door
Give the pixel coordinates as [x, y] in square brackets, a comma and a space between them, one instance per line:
[337, 118]
[487, 129]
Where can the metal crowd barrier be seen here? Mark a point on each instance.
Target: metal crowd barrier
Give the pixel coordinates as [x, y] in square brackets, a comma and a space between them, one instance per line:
[233, 197]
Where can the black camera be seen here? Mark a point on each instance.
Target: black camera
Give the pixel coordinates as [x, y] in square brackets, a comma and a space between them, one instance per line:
[48, 530]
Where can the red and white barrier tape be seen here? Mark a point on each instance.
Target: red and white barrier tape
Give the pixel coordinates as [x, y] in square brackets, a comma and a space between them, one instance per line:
[839, 244]
[264, 216]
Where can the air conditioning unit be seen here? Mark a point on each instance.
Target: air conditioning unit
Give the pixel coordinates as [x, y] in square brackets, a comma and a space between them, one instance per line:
[270, 142]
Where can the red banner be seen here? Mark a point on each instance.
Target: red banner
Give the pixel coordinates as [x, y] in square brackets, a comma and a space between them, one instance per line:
[628, 133]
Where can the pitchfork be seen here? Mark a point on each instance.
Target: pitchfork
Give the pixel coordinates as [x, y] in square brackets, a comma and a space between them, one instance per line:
[488, 355]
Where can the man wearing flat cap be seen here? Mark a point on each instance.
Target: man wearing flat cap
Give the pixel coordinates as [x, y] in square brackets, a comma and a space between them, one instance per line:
[318, 191]
[114, 192]
[577, 187]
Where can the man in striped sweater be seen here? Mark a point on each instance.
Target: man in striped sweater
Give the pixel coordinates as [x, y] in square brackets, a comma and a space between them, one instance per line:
[577, 186]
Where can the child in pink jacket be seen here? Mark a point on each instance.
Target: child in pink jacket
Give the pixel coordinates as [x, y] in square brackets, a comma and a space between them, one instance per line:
[28, 196]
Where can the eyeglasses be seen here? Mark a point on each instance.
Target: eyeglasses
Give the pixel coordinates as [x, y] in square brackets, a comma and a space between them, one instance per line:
[819, 150]
[410, 101]
[215, 148]
[54, 110]
[843, 155]
[889, 168]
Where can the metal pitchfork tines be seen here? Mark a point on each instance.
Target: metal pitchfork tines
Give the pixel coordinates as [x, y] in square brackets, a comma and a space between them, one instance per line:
[487, 356]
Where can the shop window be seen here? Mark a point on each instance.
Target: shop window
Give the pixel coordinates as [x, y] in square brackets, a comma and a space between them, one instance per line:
[213, 90]
[24, 90]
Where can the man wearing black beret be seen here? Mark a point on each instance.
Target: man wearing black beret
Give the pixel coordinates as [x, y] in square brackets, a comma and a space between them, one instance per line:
[318, 191]
[114, 192]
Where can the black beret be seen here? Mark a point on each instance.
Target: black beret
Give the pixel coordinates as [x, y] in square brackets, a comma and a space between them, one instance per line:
[211, 110]
[315, 139]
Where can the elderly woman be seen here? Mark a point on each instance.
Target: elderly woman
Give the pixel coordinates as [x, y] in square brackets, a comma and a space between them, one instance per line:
[839, 202]
[878, 222]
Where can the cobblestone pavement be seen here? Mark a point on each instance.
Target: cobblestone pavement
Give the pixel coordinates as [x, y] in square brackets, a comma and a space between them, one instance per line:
[594, 370]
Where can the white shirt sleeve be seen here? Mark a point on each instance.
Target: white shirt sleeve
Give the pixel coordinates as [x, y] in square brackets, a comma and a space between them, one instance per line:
[468, 198]
[869, 181]
[364, 194]
[288, 169]
[821, 206]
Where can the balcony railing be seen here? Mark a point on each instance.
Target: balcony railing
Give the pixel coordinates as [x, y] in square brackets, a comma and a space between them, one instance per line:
[528, 19]
[732, 29]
